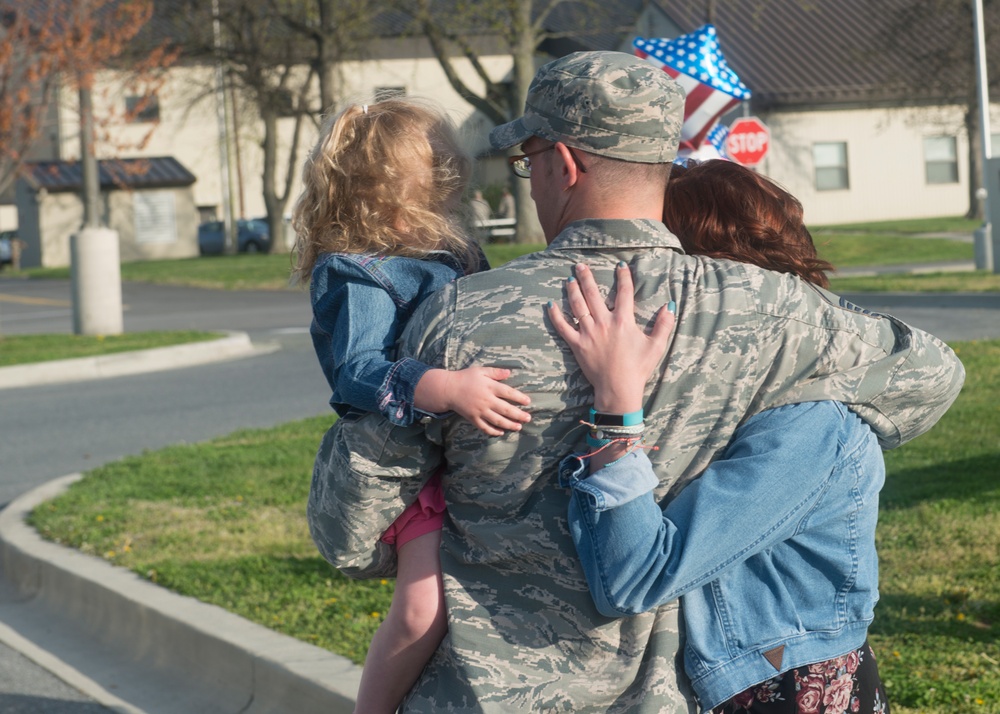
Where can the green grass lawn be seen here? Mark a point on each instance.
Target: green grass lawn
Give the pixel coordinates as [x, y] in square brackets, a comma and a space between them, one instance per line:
[945, 224]
[849, 250]
[25, 349]
[224, 522]
[225, 272]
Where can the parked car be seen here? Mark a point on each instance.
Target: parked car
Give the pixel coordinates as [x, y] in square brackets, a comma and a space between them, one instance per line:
[252, 236]
[7, 239]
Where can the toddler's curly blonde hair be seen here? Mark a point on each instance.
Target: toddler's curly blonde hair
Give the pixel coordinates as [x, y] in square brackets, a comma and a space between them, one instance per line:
[383, 178]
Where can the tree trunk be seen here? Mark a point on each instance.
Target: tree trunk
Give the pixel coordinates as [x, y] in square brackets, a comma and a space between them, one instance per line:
[327, 56]
[91, 184]
[272, 202]
[523, 53]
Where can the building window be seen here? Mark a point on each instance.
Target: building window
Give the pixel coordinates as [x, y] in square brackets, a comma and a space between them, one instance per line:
[383, 93]
[941, 159]
[142, 109]
[995, 147]
[831, 166]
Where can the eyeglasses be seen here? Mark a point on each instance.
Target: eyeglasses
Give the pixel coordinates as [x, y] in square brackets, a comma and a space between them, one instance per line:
[521, 165]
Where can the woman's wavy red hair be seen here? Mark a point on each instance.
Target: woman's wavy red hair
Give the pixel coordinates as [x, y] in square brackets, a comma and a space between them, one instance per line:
[724, 210]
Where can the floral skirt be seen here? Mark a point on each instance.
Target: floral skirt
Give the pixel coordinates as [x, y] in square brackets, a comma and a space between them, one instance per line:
[844, 685]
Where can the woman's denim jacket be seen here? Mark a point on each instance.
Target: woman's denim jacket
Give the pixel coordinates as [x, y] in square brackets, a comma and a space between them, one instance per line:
[771, 550]
[361, 303]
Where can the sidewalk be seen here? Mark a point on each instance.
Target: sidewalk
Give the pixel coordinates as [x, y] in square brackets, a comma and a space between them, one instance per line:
[182, 656]
[126, 643]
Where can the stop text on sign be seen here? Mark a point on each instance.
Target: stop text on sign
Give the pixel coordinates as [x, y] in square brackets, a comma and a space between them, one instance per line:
[748, 141]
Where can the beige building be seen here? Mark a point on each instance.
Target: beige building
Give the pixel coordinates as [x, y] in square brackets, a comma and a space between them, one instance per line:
[149, 202]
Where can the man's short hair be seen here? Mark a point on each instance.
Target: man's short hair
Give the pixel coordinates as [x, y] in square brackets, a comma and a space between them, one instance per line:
[617, 174]
[606, 103]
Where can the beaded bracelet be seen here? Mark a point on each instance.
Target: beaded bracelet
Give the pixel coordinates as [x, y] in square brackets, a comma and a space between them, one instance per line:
[612, 432]
[598, 447]
[597, 438]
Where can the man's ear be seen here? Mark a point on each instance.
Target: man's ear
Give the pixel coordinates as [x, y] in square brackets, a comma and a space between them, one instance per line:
[569, 173]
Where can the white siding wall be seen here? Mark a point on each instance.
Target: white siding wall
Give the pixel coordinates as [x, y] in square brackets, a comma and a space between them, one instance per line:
[8, 218]
[885, 162]
[425, 78]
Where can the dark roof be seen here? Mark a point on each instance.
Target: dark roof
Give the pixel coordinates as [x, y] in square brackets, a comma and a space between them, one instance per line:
[155, 172]
[796, 52]
[791, 52]
[788, 52]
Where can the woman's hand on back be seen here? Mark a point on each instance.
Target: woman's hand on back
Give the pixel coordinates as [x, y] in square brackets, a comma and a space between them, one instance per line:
[615, 354]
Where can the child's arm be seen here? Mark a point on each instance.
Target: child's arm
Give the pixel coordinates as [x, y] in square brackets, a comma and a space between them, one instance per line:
[476, 393]
[355, 328]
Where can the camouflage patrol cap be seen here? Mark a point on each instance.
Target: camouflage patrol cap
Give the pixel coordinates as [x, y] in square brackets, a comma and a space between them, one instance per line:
[607, 103]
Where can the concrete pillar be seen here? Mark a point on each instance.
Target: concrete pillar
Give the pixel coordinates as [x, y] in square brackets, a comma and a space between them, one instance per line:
[983, 239]
[96, 282]
[991, 243]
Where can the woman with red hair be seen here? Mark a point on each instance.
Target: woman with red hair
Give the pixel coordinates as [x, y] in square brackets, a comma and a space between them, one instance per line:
[725, 210]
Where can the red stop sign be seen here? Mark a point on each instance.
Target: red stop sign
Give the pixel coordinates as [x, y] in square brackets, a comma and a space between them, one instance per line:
[748, 141]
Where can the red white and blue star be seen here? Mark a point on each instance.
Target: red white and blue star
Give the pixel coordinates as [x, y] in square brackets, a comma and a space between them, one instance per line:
[696, 62]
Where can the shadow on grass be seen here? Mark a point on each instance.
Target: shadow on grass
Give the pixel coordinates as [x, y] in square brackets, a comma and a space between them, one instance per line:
[963, 479]
[901, 614]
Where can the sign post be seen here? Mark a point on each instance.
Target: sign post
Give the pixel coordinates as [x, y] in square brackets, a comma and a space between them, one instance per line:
[748, 141]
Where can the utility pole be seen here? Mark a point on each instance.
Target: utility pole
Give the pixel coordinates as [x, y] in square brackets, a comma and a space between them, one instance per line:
[95, 271]
[223, 129]
[986, 258]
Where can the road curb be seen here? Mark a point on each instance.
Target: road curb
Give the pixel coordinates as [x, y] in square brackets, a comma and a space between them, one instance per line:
[230, 663]
[233, 346]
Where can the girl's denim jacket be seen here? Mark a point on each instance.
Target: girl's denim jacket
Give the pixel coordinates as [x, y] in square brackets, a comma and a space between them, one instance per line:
[771, 550]
[361, 303]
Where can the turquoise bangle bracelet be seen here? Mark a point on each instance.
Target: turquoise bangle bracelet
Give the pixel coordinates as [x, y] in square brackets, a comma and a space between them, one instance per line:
[602, 419]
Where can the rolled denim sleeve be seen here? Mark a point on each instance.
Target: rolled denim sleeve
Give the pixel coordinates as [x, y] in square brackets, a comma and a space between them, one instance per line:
[638, 555]
[366, 473]
[615, 485]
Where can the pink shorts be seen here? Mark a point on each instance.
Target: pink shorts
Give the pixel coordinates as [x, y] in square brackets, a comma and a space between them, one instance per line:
[424, 515]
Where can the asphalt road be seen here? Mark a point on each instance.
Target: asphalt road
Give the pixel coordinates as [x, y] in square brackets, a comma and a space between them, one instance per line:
[54, 430]
[953, 317]
[47, 432]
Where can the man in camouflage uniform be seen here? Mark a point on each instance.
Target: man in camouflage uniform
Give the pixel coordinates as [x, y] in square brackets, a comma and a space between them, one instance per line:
[600, 129]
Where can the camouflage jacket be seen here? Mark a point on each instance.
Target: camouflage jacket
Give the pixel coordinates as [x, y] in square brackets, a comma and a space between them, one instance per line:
[524, 634]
